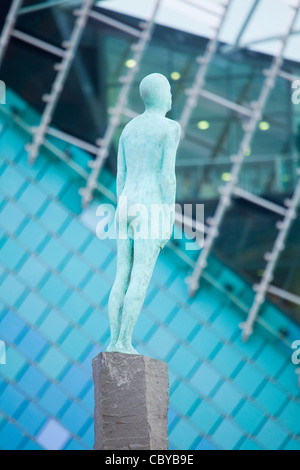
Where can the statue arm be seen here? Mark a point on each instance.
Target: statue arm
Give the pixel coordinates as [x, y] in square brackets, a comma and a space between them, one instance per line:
[168, 164]
[121, 172]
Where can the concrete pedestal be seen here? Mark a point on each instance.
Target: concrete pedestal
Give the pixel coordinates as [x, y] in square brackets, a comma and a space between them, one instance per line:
[131, 402]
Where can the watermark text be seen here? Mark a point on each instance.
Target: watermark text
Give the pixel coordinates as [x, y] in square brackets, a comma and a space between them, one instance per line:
[152, 222]
[296, 354]
[296, 93]
[2, 353]
[2, 92]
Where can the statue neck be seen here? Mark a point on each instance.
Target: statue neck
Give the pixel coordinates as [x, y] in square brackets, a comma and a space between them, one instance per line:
[159, 111]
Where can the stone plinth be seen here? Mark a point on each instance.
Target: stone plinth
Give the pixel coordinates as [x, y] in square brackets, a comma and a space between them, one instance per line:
[131, 402]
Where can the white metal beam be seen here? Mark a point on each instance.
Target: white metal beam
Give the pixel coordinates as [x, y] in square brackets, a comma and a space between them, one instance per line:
[283, 294]
[62, 74]
[8, 28]
[115, 24]
[238, 108]
[288, 76]
[44, 46]
[46, 4]
[86, 146]
[259, 201]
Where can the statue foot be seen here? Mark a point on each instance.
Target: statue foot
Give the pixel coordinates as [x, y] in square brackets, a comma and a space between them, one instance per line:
[111, 347]
[121, 348]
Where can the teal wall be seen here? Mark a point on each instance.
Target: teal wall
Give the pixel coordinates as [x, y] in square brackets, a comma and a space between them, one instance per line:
[55, 278]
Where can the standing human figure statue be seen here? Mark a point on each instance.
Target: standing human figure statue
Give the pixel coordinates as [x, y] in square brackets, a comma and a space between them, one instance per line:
[145, 179]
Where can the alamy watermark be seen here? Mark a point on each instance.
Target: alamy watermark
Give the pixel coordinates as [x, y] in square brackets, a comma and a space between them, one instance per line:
[296, 93]
[296, 354]
[2, 353]
[152, 222]
[2, 92]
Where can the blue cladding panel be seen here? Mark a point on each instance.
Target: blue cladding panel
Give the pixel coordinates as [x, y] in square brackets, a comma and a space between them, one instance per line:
[32, 307]
[10, 437]
[75, 381]
[227, 360]
[75, 234]
[97, 289]
[162, 341]
[54, 290]
[11, 326]
[227, 322]
[32, 235]
[228, 435]
[183, 435]
[32, 272]
[292, 445]
[75, 418]
[11, 181]
[205, 444]
[54, 217]
[290, 417]
[54, 253]
[271, 398]
[182, 324]
[53, 326]
[75, 344]
[32, 199]
[228, 398]
[32, 382]
[161, 306]
[205, 379]
[205, 342]
[32, 345]
[272, 436]
[271, 360]
[11, 217]
[53, 400]
[249, 379]
[183, 361]
[184, 398]
[250, 417]
[75, 307]
[205, 417]
[11, 290]
[75, 271]
[32, 419]
[11, 400]
[11, 254]
[96, 252]
[53, 181]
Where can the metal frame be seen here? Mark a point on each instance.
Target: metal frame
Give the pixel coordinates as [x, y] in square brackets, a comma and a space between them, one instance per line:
[63, 70]
[197, 88]
[67, 53]
[9, 25]
[272, 258]
[44, 5]
[227, 192]
[104, 144]
[283, 294]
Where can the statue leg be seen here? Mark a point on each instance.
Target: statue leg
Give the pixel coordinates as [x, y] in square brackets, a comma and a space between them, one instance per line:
[145, 256]
[117, 295]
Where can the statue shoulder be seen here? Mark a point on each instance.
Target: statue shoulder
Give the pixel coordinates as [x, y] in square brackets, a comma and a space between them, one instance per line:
[174, 127]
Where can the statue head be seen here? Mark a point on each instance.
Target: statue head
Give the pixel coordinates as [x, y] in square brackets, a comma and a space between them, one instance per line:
[155, 91]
